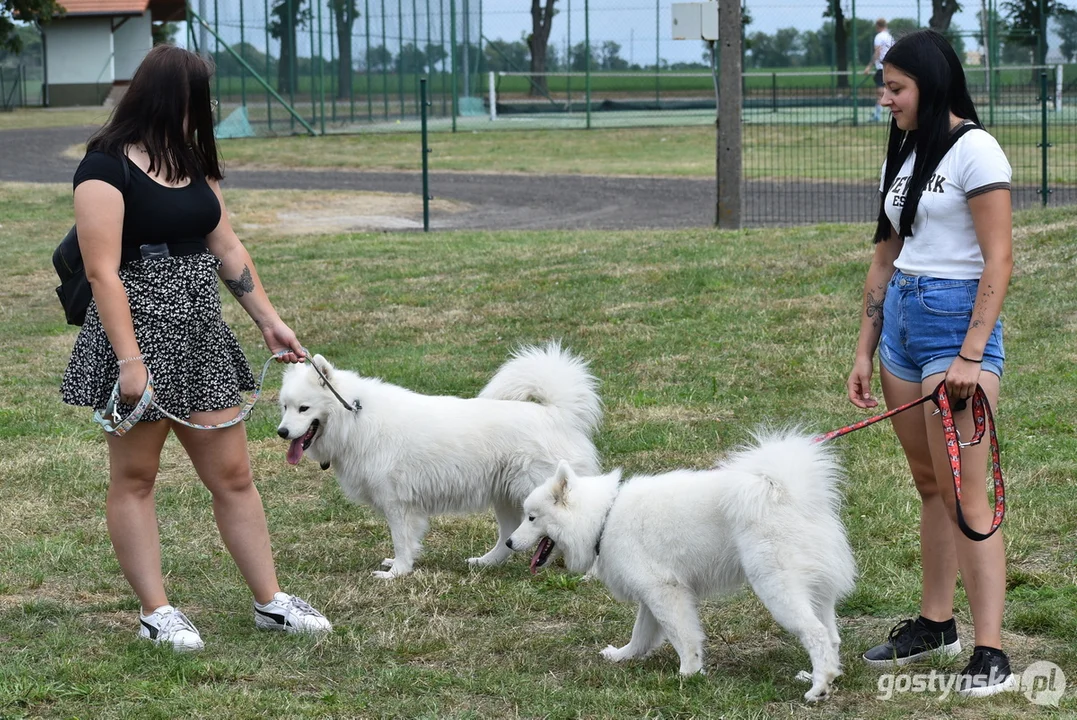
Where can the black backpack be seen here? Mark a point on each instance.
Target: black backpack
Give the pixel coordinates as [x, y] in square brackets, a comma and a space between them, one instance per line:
[74, 289]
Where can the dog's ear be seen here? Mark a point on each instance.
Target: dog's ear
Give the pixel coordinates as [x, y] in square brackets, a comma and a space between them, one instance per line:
[323, 366]
[560, 482]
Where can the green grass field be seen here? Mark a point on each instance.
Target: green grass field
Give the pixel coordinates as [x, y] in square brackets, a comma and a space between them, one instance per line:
[782, 151]
[698, 336]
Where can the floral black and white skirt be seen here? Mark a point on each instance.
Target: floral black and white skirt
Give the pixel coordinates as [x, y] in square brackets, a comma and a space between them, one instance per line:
[196, 361]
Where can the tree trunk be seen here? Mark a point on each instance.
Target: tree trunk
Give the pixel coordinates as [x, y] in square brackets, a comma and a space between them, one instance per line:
[541, 22]
[287, 53]
[346, 13]
[942, 11]
[841, 43]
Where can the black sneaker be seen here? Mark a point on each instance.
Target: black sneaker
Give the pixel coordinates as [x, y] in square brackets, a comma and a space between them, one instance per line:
[987, 673]
[910, 640]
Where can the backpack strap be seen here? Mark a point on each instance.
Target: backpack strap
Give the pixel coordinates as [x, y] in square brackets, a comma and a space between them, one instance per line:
[956, 135]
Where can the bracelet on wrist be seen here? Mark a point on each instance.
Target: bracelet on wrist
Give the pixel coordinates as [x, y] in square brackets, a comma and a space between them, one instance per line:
[970, 359]
[123, 361]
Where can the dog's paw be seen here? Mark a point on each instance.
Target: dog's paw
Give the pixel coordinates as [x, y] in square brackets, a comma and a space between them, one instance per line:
[388, 562]
[694, 666]
[613, 654]
[485, 561]
[817, 693]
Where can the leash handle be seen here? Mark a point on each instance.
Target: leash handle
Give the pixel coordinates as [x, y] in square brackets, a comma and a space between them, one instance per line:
[118, 427]
[981, 413]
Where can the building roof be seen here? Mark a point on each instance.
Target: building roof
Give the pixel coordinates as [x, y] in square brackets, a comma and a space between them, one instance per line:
[161, 10]
[104, 7]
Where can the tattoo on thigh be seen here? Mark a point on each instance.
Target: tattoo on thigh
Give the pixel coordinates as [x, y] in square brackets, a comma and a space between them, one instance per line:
[874, 309]
[244, 285]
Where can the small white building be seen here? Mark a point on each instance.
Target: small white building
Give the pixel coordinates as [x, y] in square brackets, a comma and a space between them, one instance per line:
[96, 46]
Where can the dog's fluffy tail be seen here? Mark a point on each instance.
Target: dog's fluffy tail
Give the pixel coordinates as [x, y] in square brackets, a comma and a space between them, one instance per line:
[788, 479]
[550, 375]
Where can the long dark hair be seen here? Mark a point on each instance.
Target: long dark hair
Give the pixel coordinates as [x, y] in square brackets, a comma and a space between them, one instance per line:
[170, 85]
[931, 62]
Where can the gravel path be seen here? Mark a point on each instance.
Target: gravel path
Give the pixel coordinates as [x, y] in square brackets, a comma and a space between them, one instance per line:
[559, 202]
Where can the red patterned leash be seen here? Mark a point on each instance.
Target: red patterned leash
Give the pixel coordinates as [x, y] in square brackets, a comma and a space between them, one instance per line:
[981, 414]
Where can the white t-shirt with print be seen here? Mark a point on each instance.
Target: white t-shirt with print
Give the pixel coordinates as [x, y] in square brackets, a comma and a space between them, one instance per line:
[883, 40]
[943, 242]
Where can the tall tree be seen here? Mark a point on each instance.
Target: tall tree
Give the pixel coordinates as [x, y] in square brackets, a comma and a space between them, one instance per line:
[942, 11]
[29, 10]
[345, 12]
[1067, 29]
[541, 22]
[289, 16]
[1024, 17]
[841, 39]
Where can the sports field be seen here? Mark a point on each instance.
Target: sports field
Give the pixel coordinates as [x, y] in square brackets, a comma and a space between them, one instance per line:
[698, 336]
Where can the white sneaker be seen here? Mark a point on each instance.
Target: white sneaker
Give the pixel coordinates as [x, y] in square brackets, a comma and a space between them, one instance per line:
[167, 625]
[290, 614]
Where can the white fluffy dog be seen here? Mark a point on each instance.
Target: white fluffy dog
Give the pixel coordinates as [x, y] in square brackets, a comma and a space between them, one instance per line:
[768, 515]
[411, 456]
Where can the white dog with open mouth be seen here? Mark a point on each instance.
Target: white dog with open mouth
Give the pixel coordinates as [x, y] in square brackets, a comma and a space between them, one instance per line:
[411, 456]
[768, 515]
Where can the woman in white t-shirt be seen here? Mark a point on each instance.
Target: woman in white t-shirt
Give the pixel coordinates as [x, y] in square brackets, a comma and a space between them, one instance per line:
[934, 291]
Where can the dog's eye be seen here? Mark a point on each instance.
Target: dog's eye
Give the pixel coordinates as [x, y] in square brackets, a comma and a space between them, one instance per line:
[304, 408]
[530, 518]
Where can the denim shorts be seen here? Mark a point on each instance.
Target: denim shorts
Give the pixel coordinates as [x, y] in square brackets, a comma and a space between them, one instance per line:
[925, 320]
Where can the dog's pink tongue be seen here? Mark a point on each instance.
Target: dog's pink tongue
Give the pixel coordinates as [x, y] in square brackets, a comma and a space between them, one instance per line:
[538, 554]
[295, 451]
[535, 559]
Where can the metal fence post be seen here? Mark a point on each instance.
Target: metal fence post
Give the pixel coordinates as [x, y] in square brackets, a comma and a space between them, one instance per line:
[269, 105]
[854, 74]
[426, 156]
[321, 70]
[243, 51]
[217, 55]
[400, 56]
[587, 52]
[452, 60]
[657, 54]
[384, 69]
[1043, 144]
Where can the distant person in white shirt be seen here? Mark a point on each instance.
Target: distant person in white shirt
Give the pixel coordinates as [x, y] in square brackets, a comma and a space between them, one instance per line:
[883, 41]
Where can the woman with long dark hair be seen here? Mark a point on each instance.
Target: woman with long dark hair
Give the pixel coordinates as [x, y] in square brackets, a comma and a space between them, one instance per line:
[932, 299]
[155, 236]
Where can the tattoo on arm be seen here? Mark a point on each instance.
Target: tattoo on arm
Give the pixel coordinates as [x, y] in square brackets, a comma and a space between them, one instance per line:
[980, 309]
[245, 283]
[874, 309]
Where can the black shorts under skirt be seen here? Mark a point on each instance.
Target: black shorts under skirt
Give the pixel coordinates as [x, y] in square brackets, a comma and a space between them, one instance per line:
[196, 361]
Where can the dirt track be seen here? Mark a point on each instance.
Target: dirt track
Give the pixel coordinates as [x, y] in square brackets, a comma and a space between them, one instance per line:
[516, 201]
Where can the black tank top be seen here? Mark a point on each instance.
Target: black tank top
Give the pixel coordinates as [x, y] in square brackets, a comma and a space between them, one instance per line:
[154, 213]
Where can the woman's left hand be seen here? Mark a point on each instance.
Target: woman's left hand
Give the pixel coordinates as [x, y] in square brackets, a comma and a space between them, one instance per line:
[962, 377]
[279, 337]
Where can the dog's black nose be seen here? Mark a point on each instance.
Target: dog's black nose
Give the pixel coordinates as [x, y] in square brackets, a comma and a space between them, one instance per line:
[283, 432]
[508, 543]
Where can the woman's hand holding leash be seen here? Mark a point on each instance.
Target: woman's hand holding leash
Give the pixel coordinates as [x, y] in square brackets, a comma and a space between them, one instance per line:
[133, 377]
[962, 379]
[281, 341]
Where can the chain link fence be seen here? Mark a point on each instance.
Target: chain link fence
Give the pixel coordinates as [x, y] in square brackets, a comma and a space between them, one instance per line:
[354, 66]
